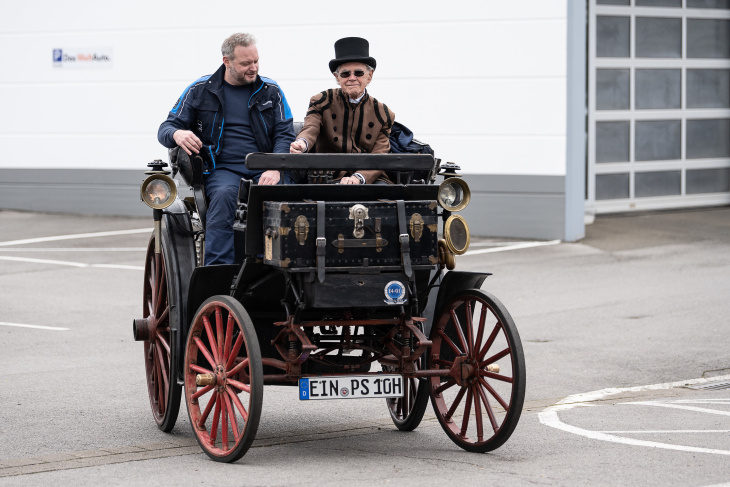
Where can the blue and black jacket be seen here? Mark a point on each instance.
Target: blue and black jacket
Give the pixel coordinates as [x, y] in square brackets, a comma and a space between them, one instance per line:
[200, 109]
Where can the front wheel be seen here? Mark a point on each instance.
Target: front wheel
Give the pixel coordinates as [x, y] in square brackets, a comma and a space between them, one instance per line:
[478, 400]
[224, 383]
[160, 354]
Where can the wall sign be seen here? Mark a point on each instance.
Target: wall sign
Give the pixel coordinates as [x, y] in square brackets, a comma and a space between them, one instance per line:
[82, 58]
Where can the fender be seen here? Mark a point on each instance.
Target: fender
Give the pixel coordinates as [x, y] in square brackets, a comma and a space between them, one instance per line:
[180, 264]
[447, 285]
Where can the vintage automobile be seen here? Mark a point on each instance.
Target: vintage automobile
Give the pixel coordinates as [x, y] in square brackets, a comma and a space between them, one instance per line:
[339, 291]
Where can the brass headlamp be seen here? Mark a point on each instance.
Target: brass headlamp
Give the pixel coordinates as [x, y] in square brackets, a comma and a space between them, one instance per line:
[454, 194]
[158, 191]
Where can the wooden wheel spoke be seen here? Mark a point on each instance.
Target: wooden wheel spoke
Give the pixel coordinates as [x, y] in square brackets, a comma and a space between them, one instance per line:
[457, 401]
[232, 418]
[460, 332]
[234, 352]
[405, 400]
[161, 290]
[224, 423]
[163, 372]
[488, 407]
[157, 374]
[164, 316]
[478, 413]
[490, 341]
[492, 375]
[239, 404]
[211, 340]
[216, 419]
[494, 394]
[467, 413]
[239, 385]
[448, 341]
[469, 330]
[208, 409]
[153, 281]
[446, 363]
[199, 369]
[229, 339]
[480, 331]
[164, 343]
[202, 392]
[204, 351]
[496, 357]
[440, 389]
[235, 370]
[219, 333]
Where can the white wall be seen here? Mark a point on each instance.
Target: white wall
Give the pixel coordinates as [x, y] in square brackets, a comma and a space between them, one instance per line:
[484, 82]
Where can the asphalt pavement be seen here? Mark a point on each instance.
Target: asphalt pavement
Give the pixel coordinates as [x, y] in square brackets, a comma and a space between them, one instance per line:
[626, 337]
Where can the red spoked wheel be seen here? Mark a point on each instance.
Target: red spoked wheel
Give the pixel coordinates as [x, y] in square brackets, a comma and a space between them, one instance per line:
[479, 399]
[224, 382]
[160, 355]
[407, 411]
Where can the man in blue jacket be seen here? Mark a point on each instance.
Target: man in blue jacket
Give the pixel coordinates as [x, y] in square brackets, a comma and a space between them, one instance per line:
[224, 117]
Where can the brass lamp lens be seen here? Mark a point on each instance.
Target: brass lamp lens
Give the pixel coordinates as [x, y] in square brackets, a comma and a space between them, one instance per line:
[158, 191]
[457, 235]
[454, 194]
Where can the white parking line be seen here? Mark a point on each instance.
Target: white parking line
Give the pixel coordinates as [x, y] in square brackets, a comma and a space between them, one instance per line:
[75, 249]
[44, 261]
[677, 406]
[655, 432]
[71, 237]
[72, 264]
[517, 246]
[549, 416]
[39, 327]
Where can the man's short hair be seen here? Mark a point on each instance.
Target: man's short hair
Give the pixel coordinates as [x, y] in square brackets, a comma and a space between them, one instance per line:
[240, 39]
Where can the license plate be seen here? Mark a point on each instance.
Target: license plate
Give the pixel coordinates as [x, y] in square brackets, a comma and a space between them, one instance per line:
[350, 387]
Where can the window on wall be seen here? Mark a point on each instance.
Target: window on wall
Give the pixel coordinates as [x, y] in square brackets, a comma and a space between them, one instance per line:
[659, 113]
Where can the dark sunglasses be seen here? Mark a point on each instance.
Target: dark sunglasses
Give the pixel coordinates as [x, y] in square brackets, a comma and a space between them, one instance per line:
[346, 74]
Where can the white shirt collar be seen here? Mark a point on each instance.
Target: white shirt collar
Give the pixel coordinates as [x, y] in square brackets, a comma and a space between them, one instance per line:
[353, 100]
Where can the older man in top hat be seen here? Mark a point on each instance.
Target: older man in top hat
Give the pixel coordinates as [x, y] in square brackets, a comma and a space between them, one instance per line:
[348, 119]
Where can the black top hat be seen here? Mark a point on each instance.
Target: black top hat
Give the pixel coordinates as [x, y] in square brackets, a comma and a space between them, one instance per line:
[352, 50]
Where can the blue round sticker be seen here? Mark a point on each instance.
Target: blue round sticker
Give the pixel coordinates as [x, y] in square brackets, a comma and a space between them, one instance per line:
[395, 292]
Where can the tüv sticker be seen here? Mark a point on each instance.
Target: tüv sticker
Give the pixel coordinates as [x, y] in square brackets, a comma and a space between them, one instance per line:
[395, 293]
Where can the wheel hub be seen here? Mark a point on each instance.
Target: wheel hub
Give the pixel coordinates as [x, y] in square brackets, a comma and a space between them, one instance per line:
[144, 329]
[464, 370]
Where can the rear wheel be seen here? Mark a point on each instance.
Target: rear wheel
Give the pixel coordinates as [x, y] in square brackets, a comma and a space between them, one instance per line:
[479, 399]
[160, 354]
[407, 411]
[224, 382]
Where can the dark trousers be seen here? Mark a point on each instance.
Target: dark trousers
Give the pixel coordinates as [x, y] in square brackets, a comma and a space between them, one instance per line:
[221, 188]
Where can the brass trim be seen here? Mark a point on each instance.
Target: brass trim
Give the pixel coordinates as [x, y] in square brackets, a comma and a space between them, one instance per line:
[446, 258]
[301, 229]
[447, 234]
[416, 226]
[268, 248]
[464, 187]
[359, 213]
[148, 181]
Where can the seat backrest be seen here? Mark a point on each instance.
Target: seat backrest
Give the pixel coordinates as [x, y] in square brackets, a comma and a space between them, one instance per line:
[298, 127]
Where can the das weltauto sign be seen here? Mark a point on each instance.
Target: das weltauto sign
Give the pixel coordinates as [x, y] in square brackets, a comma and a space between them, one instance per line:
[82, 58]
